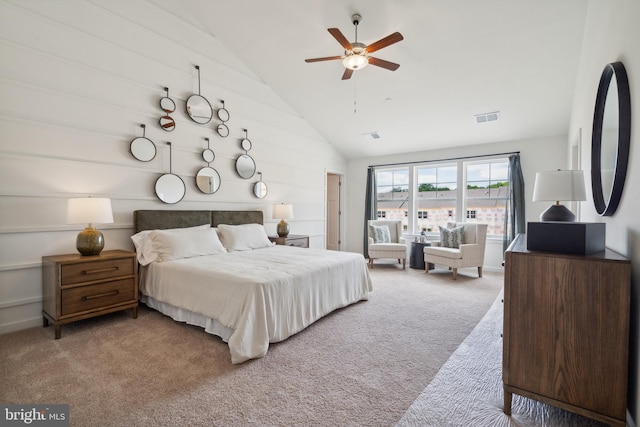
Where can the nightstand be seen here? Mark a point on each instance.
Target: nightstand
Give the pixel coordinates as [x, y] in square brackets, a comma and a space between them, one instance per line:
[76, 287]
[298, 240]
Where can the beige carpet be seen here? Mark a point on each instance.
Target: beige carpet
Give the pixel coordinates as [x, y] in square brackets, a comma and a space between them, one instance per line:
[363, 365]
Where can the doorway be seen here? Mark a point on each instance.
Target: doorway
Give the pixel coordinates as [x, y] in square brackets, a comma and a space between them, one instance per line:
[334, 184]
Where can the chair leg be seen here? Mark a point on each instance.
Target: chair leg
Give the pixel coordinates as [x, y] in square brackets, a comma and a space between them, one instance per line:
[426, 267]
[404, 264]
[455, 273]
[370, 262]
[480, 271]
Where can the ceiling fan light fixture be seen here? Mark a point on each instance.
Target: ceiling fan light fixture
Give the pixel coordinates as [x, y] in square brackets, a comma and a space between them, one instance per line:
[355, 61]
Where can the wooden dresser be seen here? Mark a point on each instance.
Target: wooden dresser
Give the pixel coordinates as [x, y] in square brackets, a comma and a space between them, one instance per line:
[298, 240]
[76, 287]
[566, 330]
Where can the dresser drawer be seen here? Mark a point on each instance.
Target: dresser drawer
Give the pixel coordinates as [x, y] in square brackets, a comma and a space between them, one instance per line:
[100, 295]
[98, 270]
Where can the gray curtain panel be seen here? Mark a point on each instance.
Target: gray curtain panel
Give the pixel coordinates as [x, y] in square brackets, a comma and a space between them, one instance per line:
[514, 222]
[370, 209]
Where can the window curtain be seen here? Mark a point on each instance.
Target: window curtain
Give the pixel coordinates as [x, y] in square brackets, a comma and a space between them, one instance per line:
[370, 208]
[514, 221]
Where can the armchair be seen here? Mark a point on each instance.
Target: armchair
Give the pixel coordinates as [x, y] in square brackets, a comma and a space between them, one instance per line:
[394, 248]
[469, 254]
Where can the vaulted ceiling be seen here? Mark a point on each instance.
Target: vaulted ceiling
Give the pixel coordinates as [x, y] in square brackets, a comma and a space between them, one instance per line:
[458, 59]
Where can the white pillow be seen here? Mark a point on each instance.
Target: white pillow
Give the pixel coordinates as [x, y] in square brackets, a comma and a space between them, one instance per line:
[243, 237]
[175, 243]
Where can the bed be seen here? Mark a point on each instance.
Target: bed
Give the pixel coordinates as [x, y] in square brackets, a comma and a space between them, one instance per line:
[218, 270]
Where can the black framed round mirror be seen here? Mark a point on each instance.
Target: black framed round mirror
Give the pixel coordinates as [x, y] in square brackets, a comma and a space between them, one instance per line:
[208, 180]
[198, 108]
[223, 130]
[167, 123]
[260, 188]
[245, 166]
[223, 113]
[611, 139]
[142, 148]
[166, 104]
[170, 187]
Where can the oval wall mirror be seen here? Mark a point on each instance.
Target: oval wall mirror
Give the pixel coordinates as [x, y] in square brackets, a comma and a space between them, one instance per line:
[167, 123]
[208, 180]
[245, 166]
[223, 130]
[246, 142]
[208, 155]
[143, 148]
[198, 108]
[169, 187]
[611, 139]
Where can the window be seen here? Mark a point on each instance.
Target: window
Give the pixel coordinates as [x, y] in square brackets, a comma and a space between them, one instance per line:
[393, 193]
[382, 214]
[432, 194]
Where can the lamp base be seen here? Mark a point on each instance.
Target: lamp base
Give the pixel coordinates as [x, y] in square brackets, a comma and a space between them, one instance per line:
[283, 229]
[90, 242]
[557, 213]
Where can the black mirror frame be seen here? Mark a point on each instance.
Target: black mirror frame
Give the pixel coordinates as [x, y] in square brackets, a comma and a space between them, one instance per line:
[603, 207]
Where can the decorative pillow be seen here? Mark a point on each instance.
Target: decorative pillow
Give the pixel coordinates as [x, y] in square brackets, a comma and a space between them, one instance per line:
[149, 247]
[380, 233]
[451, 237]
[243, 237]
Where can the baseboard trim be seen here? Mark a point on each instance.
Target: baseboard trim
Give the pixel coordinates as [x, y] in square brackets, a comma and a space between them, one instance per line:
[20, 325]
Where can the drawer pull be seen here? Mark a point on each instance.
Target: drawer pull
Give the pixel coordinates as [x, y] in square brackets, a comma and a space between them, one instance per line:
[100, 270]
[106, 294]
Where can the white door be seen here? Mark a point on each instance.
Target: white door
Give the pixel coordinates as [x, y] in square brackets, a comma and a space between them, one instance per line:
[333, 211]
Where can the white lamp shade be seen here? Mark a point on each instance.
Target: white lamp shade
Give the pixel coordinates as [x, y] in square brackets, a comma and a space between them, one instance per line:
[283, 211]
[559, 185]
[89, 210]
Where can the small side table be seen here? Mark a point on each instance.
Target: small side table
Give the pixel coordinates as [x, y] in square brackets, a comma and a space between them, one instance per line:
[417, 255]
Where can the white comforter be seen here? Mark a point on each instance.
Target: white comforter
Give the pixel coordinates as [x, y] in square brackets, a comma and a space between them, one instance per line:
[262, 295]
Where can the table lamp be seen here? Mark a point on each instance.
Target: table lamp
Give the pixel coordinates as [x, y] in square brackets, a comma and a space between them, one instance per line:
[283, 212]
[89, 210]
[559, 185]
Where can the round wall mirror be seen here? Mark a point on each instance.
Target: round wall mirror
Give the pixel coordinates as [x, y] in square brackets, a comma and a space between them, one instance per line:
[223, 130]
[208, 155]
[223, 113]
[260, 190]
[199, 109]
[208, 180]
[143, 149]
[245, 166]
[170, 188]
[246, 144]
[611, 139]
[167, 105]
[167, 123]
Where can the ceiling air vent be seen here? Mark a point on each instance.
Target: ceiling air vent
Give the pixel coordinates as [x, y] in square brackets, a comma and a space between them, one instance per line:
[371, 135]
[487, 117]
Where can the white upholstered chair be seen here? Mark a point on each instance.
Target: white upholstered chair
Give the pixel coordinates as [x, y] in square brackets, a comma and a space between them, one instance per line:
[469, 254]
[394, 248]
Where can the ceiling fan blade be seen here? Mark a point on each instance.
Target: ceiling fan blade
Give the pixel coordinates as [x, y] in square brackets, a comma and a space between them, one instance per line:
[389, 40]
[347, 74]
[341, 38]
[326, 58]
[384, 64]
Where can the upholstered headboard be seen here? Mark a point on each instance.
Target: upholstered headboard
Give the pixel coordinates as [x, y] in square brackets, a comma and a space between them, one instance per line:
[163, 219]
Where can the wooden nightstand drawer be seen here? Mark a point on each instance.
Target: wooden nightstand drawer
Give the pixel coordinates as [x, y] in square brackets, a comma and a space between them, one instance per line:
[83, 298]
[98, 270]
[301, 243]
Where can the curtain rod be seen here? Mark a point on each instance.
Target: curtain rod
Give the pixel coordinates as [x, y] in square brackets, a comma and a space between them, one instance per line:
[445, 160]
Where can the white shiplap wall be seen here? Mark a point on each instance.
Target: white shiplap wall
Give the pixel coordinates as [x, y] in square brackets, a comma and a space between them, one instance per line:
[77, 78]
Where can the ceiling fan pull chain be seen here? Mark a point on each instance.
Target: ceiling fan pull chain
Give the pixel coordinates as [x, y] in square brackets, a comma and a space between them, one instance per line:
[355, 95]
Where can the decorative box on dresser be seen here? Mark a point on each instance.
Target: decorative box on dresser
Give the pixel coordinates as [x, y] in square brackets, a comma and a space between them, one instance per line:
[566, 330]
[298, 240]
[76, 287]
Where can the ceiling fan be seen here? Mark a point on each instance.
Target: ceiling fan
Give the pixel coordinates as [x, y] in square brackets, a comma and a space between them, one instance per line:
[356, 54]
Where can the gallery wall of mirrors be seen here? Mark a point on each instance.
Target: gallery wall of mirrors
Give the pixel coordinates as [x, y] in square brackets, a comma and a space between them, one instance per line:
[169, 187]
